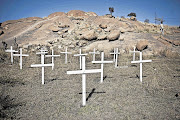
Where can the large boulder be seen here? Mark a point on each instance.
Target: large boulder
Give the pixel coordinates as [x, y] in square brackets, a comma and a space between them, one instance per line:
[103, 26]
[113, 35]
[176, 42]
[133, 18]
[57, 14]
[141, 45]
[54, 28]
[102, 37]
[90, 35]
[76, 13]
[91, 14]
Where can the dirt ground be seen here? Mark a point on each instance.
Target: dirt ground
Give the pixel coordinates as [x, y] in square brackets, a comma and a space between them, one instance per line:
[121, 96]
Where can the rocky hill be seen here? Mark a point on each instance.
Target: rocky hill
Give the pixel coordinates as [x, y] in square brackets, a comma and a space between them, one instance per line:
[77, 29]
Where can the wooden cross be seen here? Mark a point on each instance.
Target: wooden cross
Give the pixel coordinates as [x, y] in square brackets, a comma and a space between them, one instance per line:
[134, 53]
[66, 52]
[94, 53]
[114, 53]
[84, 72]
[11, 51]
[102, 62]
[80, 57]
[43, 52]
[20, 55]
[52, 57]
[141, 61]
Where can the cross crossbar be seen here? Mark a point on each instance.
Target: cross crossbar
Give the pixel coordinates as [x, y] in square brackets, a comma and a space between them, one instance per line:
[20, 55]
[11, 51]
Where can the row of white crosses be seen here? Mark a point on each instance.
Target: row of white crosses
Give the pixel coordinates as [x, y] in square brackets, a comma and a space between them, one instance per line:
[20, 55]
[82, 65]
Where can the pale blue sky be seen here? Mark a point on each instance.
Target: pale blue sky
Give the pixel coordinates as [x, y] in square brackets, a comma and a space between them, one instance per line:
[168, 9]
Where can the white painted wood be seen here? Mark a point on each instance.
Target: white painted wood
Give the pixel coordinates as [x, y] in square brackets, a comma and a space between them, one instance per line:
[12, 52]
[116, 62]
[52, 57]
[80, 57]
[20, 55]
[141, 61]
[94, 54]
[66, 53]
[84, 72]
[134, 52]
[42, 65]
[102, 62]
[114, 53]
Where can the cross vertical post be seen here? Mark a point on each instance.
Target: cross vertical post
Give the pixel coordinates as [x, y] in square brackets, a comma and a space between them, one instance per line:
[42, 62]
[11, 55]
[140, 66]
[83, 82]
[116, 53]
[134, 54]
[102, 66]
[80, 57]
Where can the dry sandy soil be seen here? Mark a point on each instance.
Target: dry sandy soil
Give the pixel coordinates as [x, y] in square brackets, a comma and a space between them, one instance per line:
[121, 96]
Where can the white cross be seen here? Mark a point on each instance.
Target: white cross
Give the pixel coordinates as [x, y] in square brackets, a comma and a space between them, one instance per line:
[66, 52]
[141, 61]
[134, 53]
[102, 62]
[114, 53]
[43, 52]
[20, 55]
[80, 57]
[52, 57]
[11, 51]
[84, 72]
[94, 53]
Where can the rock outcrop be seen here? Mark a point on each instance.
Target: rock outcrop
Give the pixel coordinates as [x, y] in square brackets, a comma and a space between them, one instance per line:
[142, 44]
[113, 35]
[90, 35]
[57, 14]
